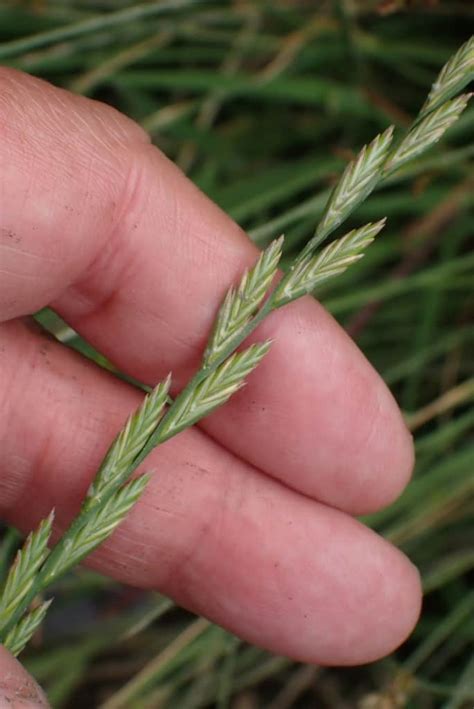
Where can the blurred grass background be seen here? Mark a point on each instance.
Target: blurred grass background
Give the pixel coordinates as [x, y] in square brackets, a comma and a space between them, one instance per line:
[262, 103]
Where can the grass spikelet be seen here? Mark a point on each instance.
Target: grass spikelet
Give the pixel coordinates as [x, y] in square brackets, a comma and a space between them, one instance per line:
[98, 526]
[457, 73]
[330, 262]
[213, 391]
[240, 304]
[23, 570]
[21, 634]
[426, 133]
[357, 182]
[129, 442]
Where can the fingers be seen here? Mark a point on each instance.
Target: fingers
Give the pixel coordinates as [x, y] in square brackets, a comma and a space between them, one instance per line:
[271, 565]
[102, 225]
[17, 689]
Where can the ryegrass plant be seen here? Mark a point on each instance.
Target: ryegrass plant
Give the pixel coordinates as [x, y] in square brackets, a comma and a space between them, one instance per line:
[224, 370]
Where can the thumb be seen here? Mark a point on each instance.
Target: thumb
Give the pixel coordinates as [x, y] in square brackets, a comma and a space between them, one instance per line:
[17, 688]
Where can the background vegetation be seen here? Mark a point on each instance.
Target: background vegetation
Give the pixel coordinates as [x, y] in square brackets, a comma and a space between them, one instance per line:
[262, 104]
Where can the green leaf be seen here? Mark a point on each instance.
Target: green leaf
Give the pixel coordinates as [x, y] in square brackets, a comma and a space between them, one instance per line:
[102, 22]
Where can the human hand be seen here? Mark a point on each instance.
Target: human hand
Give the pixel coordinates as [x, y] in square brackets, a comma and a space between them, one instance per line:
[248, 518]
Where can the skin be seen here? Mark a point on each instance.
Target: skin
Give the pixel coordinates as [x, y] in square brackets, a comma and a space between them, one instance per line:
[249, 518]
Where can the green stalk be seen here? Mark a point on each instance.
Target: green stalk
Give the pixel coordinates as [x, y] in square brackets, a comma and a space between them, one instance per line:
[95, 24]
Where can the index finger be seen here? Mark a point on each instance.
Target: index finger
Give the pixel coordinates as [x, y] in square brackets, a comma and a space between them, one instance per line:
[99, 223]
